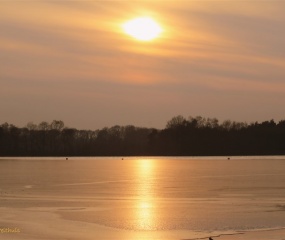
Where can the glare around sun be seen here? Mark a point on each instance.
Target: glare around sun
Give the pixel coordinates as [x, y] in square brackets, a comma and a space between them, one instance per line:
[143, 28]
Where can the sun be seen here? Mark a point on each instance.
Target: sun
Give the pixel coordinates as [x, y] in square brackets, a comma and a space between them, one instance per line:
[143, 28]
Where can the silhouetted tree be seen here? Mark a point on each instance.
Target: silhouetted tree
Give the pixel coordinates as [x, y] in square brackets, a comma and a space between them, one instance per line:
[182, 137]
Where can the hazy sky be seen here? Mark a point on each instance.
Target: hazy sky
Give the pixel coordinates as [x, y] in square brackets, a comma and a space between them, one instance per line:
[71, 61]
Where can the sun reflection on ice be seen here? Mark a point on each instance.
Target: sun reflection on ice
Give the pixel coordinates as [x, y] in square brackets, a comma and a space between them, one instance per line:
[145, 216]
[145, 203]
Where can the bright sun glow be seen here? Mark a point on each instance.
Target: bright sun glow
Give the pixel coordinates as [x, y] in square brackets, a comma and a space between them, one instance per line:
[143, 28]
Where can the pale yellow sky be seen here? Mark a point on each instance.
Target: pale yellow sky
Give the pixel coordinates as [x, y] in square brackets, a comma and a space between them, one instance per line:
[71, 60]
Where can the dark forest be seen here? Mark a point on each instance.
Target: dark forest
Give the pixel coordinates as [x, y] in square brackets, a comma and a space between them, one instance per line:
[195, 136]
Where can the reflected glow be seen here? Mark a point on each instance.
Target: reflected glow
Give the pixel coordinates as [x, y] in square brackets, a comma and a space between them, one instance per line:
[145, 204]
[145, 215]
[146, 167]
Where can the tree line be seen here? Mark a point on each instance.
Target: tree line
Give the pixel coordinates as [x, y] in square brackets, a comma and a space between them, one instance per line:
[195, 136]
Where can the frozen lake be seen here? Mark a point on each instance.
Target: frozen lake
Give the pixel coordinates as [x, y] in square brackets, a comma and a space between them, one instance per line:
[141, 197]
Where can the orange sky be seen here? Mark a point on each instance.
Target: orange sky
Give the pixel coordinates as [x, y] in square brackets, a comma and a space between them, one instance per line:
[71, 60]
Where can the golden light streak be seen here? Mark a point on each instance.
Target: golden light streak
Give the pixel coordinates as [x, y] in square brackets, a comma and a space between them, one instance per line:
[145, 209]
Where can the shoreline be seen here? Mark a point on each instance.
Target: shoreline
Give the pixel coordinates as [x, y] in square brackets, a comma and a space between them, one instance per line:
[266, 234]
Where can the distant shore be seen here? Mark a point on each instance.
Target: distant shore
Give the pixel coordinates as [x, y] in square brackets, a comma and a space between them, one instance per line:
[181, 137]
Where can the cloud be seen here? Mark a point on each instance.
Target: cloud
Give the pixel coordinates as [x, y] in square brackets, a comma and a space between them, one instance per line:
[75, 53]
